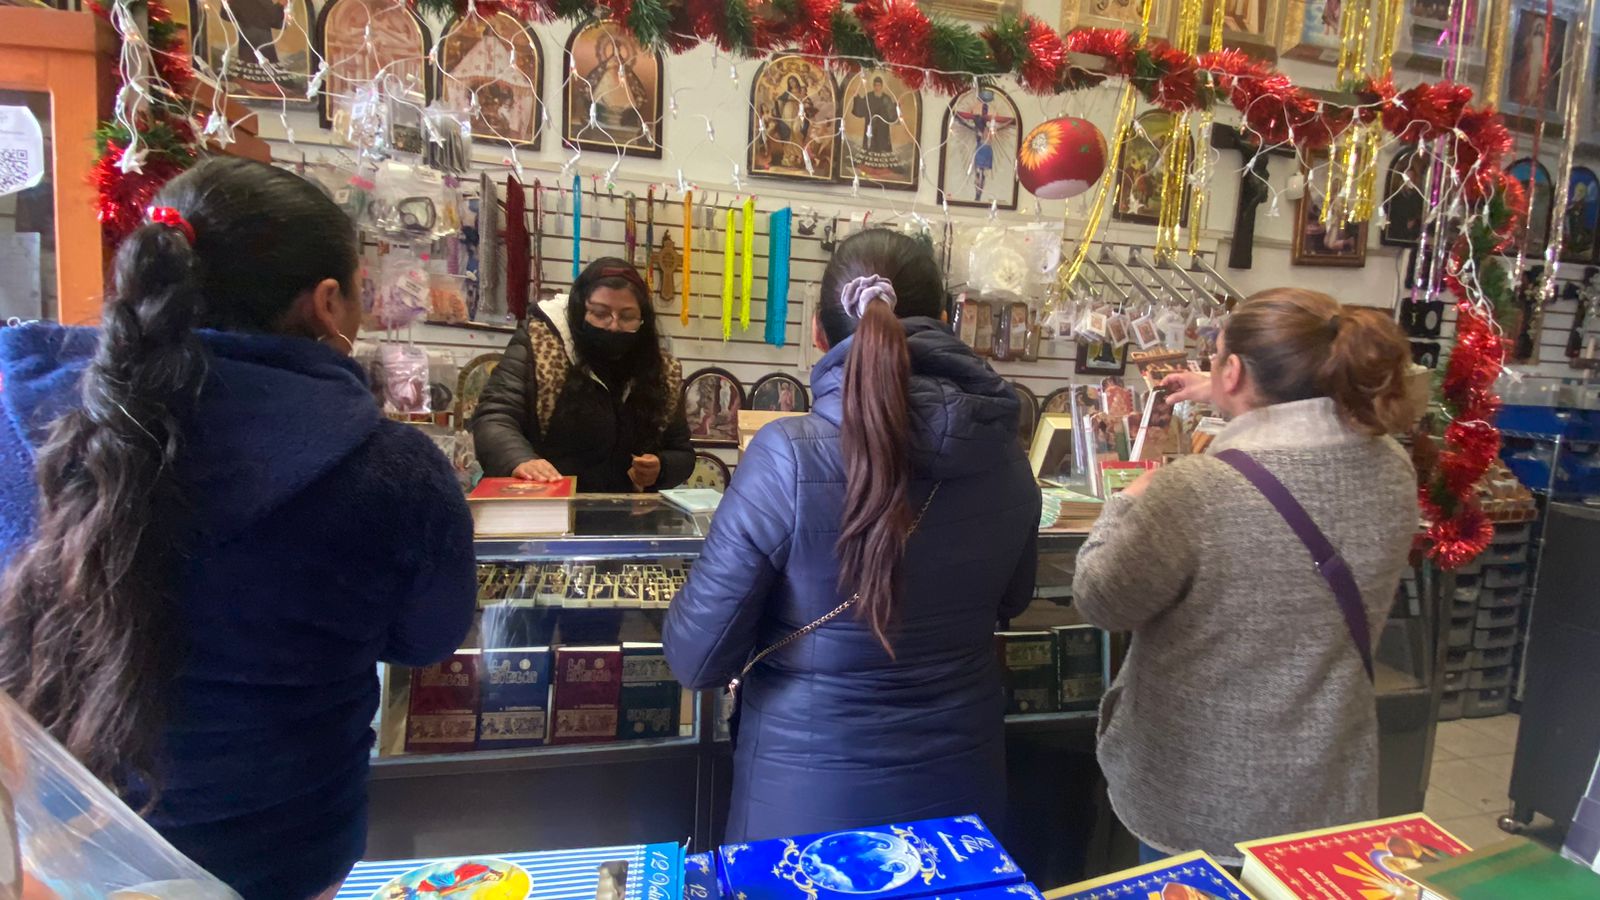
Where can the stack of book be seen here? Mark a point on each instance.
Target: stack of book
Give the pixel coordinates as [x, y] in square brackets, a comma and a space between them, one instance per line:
[1068, 510]
[640, 872]
[1368, 859]
[503, 699]
[1063, 669]
[1517, 869]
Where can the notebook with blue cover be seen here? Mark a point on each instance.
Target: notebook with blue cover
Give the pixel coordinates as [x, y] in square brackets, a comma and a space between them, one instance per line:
[639, 872]
[931, 858]
[1192, 876]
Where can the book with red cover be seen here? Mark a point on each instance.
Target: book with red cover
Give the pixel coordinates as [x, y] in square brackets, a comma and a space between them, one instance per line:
[442, 716]
[588, 690]
[1353, 862]
[511, 507]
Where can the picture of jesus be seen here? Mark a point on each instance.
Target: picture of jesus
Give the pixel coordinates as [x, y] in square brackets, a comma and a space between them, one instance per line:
[1533, 77]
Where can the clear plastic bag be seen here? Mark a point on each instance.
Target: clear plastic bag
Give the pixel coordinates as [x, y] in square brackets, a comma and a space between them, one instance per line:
[405, 379]
[75, 839]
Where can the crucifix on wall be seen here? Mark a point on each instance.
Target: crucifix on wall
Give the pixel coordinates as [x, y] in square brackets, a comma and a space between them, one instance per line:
[1254, 189]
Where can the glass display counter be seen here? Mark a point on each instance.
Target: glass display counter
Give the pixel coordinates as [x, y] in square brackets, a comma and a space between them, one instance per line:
[606, 588]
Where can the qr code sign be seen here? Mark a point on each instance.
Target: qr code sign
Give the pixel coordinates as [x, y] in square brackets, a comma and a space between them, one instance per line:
[14, 173]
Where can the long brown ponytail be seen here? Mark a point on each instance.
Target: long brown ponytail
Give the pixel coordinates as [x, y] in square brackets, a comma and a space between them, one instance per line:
[876, 425]
[89, 636]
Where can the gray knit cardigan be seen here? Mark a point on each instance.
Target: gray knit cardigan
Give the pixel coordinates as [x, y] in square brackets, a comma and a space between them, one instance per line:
[1242, 710]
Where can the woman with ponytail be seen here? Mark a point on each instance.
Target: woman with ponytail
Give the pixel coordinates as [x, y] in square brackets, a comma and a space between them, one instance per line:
[1256, 579]
[212, 536]
[857, 567]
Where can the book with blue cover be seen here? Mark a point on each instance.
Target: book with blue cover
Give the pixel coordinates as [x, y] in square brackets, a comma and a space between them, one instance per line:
[1192, 876]
[931, 858]
[700, 878]
[639, 872]
[515, 687]
[1022, 891]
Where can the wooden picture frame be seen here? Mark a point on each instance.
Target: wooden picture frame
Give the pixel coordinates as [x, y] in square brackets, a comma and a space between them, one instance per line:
[984, 167]
[1101, 358]
[604, 63]
[1424, 21]
[1311, 30]
[244, 26]
[779, 392]
[794, 115]
[474, 377]
[1541, 196]
[379, 36]
[1403, 205]
[888, 153]
[1139, 172]
[1591, 117]
[712, 398]
[1579, 239]
[1250, 26]
[1332, 245]
[498, 60]
[1057, 401]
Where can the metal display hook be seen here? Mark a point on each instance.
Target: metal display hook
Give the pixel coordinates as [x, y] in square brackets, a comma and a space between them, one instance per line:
[1136, 258]
[1105, 280]
[1106, 256]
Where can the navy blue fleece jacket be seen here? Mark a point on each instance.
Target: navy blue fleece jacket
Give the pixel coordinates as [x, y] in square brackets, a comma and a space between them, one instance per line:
[326, 539]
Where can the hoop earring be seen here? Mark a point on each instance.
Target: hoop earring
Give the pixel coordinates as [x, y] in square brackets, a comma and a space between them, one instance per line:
[347, 342]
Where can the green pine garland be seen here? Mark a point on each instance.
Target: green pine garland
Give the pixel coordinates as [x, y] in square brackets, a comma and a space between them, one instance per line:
[956, 48]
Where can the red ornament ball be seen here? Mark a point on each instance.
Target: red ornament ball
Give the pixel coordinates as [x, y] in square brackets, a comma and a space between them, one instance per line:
[1062, 158]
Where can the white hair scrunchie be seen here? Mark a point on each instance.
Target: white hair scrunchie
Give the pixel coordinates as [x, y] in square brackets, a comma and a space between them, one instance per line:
[858, 293]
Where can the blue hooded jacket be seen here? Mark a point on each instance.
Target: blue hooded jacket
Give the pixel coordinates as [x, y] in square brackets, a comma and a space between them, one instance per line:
[833, 732]
[327, 539]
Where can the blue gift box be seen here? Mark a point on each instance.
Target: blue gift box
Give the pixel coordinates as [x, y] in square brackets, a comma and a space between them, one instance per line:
[931, 858]
[640, 872]
[1193, 876]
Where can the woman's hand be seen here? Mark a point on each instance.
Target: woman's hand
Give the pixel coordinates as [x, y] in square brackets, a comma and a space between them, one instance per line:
[1188, 386]
[1141, 483]
[645, 471]
[537, 470]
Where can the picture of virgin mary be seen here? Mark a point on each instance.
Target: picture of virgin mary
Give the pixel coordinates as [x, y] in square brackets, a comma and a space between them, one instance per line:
[613, 94]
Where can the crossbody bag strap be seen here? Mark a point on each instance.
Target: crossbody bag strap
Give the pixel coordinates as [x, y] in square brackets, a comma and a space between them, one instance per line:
[825, 618]
[1329, 563]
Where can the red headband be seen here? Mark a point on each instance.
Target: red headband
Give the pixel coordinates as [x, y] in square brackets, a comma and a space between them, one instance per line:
[627, 273]
[166, 215]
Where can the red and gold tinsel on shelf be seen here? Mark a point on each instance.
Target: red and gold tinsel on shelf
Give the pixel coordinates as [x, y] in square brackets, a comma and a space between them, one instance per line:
[167, 141]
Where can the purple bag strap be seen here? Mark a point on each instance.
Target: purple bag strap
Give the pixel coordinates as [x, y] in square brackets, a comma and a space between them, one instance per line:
[1328, 561]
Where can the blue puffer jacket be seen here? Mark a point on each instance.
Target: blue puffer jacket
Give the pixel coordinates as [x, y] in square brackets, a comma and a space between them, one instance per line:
[328, 539]
[834, 733]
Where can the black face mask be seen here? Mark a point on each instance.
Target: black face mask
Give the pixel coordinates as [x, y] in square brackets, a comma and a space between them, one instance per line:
[602, 345]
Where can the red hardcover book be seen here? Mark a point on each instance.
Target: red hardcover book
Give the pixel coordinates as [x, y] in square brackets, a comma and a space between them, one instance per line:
[1353, 862]
[511, 507]
[588, 690]
[442, 716]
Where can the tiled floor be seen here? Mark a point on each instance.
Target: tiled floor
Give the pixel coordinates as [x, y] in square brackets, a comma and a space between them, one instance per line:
[1471, 775]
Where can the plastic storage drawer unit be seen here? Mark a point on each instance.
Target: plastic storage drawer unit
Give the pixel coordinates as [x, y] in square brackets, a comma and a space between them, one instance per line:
[1493, 638]
[1485, 703]
[1484, 679]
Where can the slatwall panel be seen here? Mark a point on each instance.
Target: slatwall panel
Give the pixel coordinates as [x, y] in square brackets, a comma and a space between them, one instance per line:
[1559, 315]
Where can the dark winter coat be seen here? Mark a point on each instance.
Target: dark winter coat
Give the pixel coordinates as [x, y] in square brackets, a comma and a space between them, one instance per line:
[541, 403]
[833, 732]
[327, 539]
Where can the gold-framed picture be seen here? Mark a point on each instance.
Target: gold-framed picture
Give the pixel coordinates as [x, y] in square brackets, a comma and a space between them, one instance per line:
[1124, 14]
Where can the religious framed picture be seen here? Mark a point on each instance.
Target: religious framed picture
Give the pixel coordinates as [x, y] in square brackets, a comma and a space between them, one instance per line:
[1057, 401]
[779, 392]
[1536, 60]
[614, 92]
[1331, 243]
[1403, 204]
[470, 383]
[1311, 29]
[712, 399]
[1141, 169]
[1101, 358]
[978, 156]
[1028, 415]
[226, 39]
[794, 120]
[1591, 116]
[709, 473]
[882, 130]
[493, 66]
[1540, 191]
[360, 39]
[1123, 14]
[1247, 25]
[1581, 217]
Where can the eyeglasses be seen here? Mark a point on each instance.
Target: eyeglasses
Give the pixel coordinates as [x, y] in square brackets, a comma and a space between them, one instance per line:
[600, 317]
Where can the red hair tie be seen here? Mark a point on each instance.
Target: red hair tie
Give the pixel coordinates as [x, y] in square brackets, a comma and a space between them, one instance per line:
[166, 215]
